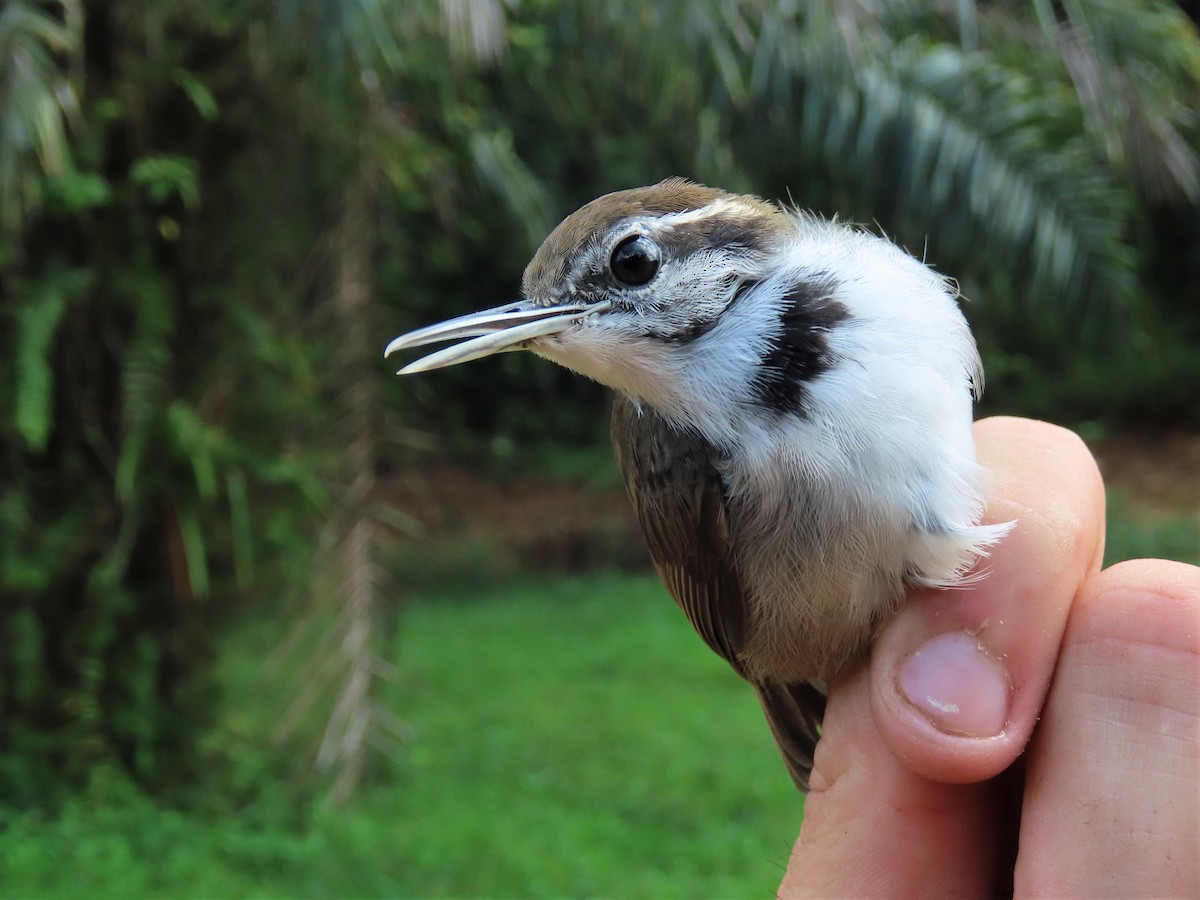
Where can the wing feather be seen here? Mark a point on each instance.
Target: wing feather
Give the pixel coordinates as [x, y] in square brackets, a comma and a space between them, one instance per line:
[679, 499]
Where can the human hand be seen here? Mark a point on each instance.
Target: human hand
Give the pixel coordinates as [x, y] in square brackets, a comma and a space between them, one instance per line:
[928, 796]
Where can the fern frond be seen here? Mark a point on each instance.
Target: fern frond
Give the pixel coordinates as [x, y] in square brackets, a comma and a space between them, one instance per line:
[144, 382]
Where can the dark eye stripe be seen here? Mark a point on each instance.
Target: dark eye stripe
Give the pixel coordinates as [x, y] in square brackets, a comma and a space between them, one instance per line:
[720, 231]
[699, 327]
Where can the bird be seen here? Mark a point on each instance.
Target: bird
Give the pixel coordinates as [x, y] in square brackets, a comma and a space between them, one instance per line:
[792, 419]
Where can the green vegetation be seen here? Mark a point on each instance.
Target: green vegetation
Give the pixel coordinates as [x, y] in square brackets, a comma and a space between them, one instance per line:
[568, 738]
[1158, 534]
[213, 216]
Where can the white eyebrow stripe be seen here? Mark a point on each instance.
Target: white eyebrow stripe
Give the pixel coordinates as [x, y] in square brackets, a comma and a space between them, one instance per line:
[653, 223]
[716, 208]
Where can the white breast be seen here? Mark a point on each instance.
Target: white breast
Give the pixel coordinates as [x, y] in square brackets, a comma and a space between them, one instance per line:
[876, 486]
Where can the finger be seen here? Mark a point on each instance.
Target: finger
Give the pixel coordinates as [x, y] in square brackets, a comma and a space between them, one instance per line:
[874, 823]
[872, 828]
[959, 676]
[1114, 770]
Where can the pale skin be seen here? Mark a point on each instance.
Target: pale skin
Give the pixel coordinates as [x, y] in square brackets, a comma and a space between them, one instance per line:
[1057, 702]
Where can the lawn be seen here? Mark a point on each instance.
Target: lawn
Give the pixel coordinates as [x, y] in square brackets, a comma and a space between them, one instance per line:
[568, 738]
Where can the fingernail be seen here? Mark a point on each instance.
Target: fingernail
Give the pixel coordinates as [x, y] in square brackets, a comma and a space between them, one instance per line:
[957, 686]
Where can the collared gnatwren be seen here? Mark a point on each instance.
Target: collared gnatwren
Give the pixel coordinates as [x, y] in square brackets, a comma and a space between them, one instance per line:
[793, 419]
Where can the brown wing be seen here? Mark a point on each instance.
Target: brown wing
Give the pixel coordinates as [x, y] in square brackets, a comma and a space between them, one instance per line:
[679, 499]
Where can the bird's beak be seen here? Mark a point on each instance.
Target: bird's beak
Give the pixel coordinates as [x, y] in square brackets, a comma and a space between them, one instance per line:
[508, 327]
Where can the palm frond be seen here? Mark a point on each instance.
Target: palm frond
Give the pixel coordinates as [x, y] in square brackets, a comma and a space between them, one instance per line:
[981, 143]
[930, 116]
[474, 28]
[1136, 70]
[500, 168]
[37, 104]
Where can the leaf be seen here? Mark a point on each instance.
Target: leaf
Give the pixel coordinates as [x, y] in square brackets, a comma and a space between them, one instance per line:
[202, 98]
[194, 550]
[241, 529]
[166, 176]
[38, 320]
[74, 191]
[195, 440]
[500, 167]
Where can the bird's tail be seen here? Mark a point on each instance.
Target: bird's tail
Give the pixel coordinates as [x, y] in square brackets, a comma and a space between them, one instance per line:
[794, 712]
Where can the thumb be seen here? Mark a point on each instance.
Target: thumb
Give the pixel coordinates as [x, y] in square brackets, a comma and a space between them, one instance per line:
[960, 675]
[901, 801]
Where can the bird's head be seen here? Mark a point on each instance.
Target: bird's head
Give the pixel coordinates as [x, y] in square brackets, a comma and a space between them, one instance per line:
[714, 308]
[642, 269]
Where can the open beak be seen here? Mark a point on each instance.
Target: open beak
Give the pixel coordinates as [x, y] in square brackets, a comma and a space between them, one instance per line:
[508, 327]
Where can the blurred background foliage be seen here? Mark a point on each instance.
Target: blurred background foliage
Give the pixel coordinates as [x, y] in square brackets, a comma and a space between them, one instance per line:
[213, 215]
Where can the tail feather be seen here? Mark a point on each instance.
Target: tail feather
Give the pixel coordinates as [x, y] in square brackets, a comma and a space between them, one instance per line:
[794, 712]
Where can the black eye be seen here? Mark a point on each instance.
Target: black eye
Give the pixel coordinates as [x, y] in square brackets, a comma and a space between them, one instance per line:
[636, 260]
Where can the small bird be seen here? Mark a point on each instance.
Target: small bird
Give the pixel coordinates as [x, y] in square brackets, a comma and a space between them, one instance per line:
[792, 419]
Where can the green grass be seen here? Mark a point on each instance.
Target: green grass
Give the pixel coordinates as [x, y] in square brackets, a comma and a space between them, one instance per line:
[571, 738]
[1133, 536]
[610, 752]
